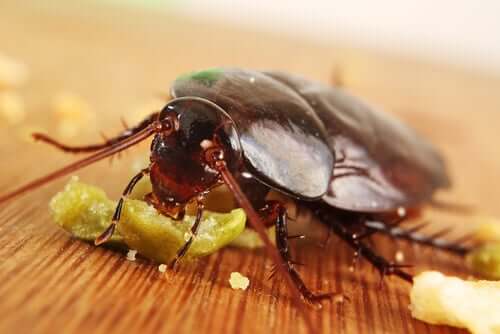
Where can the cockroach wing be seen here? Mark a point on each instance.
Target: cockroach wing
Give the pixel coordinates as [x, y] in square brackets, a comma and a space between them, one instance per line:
[284, 142]
[398, 167]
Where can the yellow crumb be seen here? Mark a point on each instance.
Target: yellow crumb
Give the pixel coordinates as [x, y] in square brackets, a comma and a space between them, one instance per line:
[72, 114]
[484, 260]
[131, 255]
[445, 300]
[11, 108]
[12, 73]
[238, 281]
[488, 229]
[162, 268]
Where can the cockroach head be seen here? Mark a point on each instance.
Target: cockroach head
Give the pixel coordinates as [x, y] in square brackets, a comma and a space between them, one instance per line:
[192, 134]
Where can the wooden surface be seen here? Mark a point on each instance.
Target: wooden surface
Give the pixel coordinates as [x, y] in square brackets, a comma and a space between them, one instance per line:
[117, 60]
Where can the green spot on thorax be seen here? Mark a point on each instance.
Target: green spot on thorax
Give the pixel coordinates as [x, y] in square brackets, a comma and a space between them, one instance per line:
[206, 77]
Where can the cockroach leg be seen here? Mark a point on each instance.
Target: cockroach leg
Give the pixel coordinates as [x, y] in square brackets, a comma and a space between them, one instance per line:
[434, 240]
[259, 226]
[118, 211]
[383, 266]
[276, 211]
[371, 231]
[96, 147]
[194, 229]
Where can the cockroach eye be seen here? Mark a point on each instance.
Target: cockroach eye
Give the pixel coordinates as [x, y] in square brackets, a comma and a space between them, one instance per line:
[168, 125]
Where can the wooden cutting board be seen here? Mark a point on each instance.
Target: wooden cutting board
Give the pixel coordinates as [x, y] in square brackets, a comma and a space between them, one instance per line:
[117, 60]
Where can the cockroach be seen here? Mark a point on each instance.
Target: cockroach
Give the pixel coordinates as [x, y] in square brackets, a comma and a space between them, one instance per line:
[355, 168]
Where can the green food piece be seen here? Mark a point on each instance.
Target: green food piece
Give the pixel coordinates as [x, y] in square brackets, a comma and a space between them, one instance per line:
[85, 212]
[485, 260]
[250, 239]
[158, 237]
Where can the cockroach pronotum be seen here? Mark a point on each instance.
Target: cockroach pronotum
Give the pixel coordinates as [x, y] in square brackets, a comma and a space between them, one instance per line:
[355, 168]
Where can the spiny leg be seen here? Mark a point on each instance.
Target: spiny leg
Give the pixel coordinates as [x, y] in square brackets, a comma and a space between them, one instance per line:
[383, 266]
[96, 147]
[274, 211]
[118, 211]
[413, 234]
[194, 229]
[256, 222]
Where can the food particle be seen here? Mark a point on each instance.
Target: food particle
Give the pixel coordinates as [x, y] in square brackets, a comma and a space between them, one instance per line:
[446, 300]
[488, 229]
[250, 239]
[162, 268]
[485, 260]
[238, 281]
[85, 212]
[72, 114]
[12, 73]
[131, 255]
[11, 108]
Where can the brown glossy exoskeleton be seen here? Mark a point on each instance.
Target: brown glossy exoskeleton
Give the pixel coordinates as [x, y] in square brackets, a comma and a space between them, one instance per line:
[354, 167]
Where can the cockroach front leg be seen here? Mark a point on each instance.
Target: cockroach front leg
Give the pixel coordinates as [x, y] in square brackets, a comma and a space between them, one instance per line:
[194, 229]
[275, 213]
[96, 147]
[118, 211]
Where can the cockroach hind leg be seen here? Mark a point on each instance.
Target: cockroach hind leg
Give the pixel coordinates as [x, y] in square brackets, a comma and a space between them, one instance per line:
[383, 266]
[414, 235]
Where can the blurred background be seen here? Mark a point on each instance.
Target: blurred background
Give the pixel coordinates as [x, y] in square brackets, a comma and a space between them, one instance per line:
[462, 32]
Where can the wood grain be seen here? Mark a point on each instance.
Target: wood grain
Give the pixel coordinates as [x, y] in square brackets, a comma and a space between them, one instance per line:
[117, 60]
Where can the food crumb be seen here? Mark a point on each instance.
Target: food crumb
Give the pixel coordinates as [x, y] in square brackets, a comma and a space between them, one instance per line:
[11, 108]
[399, 256]
[72, 114]
[488, 229]
[131, 255]
[12, 72]
[238, 281]
[447, 300]
[162, 268]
